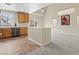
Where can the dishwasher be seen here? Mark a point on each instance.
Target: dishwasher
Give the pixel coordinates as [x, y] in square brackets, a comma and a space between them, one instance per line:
[15, 32]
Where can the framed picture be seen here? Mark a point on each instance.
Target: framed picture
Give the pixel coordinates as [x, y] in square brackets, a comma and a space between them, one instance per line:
[65, 20]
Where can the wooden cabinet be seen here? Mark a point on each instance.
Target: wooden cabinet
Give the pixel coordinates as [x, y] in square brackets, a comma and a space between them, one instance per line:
[23, 31]
[10, 32]
[0, 33]
[6, 32]
[23, 17]
[26, 17]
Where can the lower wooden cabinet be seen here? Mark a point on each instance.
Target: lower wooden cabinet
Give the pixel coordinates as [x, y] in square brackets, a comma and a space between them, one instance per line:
[0, 33]
[23, 31]
[6, 32]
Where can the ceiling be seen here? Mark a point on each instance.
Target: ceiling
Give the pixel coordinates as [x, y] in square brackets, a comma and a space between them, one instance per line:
[23, 7]
[61, 6]
[36, 6]
[33, 7]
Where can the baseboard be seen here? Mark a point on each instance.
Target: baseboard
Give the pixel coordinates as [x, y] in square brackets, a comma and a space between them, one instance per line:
[47, 43]
[35, 41]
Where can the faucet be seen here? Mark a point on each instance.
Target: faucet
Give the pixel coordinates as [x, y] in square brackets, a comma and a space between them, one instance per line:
[15, 25]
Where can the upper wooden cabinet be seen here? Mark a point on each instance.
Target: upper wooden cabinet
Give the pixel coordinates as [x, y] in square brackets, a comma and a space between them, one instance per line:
[23, 17]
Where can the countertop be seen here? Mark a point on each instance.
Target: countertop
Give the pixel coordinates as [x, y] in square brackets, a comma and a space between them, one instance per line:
[39, 28]
[11, 27]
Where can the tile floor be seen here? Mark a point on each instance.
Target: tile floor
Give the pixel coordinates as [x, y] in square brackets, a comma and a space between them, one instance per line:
[60, 45]
[17, 46]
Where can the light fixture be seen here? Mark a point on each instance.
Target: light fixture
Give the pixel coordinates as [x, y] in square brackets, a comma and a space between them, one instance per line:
[42, 10]
[9, 4]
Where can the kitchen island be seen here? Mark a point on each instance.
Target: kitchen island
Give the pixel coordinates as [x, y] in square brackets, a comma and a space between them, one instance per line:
[41, 36]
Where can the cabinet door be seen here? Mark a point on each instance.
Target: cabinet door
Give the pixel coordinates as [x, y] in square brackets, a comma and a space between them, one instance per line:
[0, 33]
[23, 31]
[6, 32]
[26, 17]
[23, 17]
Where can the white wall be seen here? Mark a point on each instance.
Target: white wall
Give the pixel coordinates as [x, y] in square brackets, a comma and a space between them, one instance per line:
[52, 13]
[37, 18]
